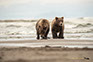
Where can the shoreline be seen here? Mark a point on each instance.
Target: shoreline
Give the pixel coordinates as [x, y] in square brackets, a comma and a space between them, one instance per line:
[50, 43]
[48, 40]
[48, 48]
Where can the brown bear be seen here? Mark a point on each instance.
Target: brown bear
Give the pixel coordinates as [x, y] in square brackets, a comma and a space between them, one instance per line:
[57, 26]
[42, 28]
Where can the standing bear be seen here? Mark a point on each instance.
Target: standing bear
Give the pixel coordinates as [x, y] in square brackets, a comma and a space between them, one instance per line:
[42, 28]
[57, 26]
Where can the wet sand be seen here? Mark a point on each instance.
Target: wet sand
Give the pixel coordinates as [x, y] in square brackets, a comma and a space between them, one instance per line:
[46, 53]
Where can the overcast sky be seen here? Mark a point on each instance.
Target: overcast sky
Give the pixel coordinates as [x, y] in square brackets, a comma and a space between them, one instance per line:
[30, 9]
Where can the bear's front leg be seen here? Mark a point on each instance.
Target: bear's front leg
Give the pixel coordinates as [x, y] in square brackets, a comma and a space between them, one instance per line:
[61, 35]
[38, 36]
[54, 34]
[46, 34]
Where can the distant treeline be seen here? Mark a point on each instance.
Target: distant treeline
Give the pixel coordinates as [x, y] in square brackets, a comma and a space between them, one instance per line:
[18, 20]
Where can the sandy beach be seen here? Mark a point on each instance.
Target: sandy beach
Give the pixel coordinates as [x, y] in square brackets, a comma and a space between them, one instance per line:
[51, 51]
[45, 55]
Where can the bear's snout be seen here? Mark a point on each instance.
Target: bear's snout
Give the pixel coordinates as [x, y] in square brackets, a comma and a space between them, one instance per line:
[60, 24]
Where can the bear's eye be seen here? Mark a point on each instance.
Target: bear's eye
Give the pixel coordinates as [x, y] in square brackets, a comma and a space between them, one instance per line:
[39, 26]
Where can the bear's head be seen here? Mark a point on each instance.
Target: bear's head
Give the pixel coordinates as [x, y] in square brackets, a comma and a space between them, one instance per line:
[59, 21]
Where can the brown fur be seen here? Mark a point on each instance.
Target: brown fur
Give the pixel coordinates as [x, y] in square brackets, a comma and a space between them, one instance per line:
[57, 26]
[42, 28]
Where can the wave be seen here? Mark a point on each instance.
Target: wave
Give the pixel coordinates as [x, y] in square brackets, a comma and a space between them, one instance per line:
[83, 25]
[69, 22]
[79, 30]
[13, 26]
[18, 20]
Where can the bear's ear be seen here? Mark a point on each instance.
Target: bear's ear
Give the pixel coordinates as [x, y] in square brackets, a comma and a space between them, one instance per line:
[56, 18]
[62, 17]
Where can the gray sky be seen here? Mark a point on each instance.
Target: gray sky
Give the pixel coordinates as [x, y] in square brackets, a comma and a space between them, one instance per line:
[30, 9]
